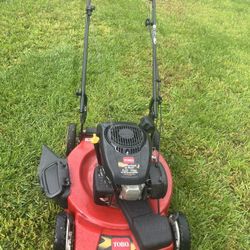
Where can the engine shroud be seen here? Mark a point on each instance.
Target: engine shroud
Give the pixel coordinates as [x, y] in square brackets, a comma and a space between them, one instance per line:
[125, 152]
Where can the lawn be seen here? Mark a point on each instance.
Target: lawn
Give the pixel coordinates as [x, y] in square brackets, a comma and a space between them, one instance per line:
[204, 61]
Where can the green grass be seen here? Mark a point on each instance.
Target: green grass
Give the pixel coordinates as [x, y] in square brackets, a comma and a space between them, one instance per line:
[204, 60]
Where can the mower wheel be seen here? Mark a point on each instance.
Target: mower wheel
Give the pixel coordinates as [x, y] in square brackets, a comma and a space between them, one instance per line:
[181, 231]
[71, 138]
[64, 232]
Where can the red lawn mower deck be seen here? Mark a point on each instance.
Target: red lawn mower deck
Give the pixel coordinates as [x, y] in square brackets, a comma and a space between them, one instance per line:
[114, 185]
[97, 225]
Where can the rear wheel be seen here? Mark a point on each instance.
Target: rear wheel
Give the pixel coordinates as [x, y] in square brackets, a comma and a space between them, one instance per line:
[64, 232]
[181, 231]
[71, 138]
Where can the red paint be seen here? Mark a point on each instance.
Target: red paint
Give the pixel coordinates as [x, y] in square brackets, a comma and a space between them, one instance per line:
[91, 220]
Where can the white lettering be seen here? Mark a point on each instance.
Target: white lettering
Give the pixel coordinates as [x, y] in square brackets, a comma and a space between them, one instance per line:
[121, 244]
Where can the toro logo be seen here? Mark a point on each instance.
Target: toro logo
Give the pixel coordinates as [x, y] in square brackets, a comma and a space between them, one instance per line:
[128, 160]
[120, 244]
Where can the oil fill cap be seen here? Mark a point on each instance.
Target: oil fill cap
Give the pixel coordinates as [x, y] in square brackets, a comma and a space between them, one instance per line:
[95, 139]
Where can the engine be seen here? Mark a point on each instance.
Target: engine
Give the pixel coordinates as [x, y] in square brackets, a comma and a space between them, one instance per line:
[126, 168]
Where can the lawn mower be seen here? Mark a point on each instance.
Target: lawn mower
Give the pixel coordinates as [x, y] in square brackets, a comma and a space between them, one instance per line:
[114, 185]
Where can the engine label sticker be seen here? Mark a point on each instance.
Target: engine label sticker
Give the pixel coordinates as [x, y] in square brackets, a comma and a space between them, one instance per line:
[128, 160]
[128, 169]
[115, 243]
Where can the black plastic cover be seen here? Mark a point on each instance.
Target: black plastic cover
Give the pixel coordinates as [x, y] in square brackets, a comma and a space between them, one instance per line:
[152, 231]
[147, 124]
[54, 176]
[101, 186]
[158, 179]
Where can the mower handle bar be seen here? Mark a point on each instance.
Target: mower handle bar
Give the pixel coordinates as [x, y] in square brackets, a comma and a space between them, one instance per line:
[155, 101]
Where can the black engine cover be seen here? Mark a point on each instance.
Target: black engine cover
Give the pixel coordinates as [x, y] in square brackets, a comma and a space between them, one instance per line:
[125, 152]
